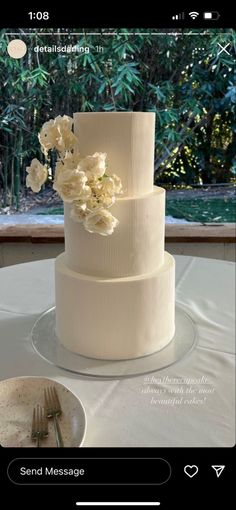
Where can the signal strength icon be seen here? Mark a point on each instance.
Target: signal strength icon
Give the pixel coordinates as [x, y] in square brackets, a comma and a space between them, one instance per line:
[178, 16]
[193, 14]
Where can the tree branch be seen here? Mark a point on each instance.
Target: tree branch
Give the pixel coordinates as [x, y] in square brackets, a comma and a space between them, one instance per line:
[167, 157]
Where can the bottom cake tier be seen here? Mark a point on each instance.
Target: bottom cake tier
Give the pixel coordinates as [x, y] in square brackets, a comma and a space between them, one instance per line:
[118, 318]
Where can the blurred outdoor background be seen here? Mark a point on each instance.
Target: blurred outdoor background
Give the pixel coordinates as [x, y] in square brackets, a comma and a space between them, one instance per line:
[184, 79]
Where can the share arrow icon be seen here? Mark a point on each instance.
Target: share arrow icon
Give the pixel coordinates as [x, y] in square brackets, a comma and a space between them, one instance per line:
[218, 470]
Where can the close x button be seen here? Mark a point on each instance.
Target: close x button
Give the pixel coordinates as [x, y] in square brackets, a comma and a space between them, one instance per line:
[223, 49]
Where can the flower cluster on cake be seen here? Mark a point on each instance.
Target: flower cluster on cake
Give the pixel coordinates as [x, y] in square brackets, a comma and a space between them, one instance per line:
[83, 182]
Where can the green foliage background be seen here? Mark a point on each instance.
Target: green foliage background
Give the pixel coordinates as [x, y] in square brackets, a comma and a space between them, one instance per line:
[191, 89]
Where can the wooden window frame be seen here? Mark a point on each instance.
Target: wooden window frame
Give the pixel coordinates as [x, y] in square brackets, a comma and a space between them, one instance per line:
[174, 233]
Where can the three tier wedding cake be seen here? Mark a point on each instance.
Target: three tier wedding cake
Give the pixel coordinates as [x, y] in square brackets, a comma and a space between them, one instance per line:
[115, 294]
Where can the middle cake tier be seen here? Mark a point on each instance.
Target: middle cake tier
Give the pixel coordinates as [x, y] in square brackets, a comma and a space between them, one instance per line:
[135, 247]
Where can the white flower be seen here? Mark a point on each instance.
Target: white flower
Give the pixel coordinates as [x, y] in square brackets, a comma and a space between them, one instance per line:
[78, 211]
[82, 182]
[106, 188]
[98, 201]
[57, 134]
[60, 167]
[111, 185]
[101, 222]
[93, 205]
[104, 201]
[117, 184]
[107, 200]
[94, 166]
[71, 185]
[37, 175]
[69, 162]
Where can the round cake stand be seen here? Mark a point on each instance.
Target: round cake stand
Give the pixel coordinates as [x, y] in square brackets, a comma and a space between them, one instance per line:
[46, 344]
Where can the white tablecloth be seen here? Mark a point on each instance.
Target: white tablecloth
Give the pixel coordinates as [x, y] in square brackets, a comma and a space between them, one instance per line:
[190, 403]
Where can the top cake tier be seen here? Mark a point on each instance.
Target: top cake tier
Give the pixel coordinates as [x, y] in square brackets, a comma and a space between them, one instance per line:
[128, 140]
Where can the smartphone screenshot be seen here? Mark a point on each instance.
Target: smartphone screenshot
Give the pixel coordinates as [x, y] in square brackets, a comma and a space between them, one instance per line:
[117, 258]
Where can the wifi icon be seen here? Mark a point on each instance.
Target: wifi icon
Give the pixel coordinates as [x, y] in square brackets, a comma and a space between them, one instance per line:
[193, 14]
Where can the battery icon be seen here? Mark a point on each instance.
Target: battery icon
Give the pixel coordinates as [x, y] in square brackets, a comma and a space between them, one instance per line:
[211, 15]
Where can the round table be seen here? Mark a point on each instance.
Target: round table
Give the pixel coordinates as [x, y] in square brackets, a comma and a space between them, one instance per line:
[190, 403]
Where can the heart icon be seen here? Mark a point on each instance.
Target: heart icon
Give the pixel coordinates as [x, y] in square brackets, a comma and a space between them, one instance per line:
[191, 470]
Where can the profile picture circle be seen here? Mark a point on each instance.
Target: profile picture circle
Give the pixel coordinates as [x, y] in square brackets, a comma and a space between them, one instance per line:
[16, 48]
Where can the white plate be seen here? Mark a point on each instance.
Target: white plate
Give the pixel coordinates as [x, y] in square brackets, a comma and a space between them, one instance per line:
[19, 395]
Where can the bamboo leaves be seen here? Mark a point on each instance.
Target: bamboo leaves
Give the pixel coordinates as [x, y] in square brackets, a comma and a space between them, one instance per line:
[182, 79]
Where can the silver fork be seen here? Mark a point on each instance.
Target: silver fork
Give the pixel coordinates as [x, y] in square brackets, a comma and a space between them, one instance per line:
[39, 428]
[53, 410]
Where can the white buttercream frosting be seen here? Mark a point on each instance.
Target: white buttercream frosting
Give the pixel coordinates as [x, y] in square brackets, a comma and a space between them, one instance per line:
[116, 318]
[115, 294]
[128, 140]
[135, 247]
